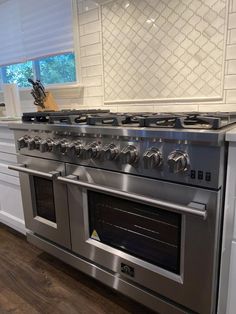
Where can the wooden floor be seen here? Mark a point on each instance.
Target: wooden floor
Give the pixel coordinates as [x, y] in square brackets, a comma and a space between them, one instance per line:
[32, 281]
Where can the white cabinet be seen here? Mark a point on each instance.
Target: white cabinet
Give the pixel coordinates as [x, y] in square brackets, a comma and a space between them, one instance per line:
[227, 299]
[11, 210]
[231, 307]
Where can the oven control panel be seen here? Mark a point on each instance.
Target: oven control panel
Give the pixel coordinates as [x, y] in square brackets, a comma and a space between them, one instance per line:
[151, 157]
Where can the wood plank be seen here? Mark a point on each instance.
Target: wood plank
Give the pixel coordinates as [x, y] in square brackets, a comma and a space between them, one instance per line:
[32, 281]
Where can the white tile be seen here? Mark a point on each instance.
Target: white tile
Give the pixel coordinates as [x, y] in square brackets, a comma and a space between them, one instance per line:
[230, 82]
[134, 108]
[92, 81]
[112, 108]
[231, 67]
[88, 17]
[89, 28]
[231, 52]
[93, 91]
[175, 108]
[91, 50]
[95, 70]
[232, 20]
[232, 37]
[219, 107]
[90, 39]
[89, 5]
[233, 8]
[93, 101]
[90, 61]
[231, 96]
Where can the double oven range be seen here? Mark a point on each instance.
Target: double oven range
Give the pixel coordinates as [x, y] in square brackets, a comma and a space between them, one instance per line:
[133, 200]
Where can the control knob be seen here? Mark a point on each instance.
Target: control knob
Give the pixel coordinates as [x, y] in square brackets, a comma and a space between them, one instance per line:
[59, 146]
[63, 147]
[91, 150]
[152, 158]
[74, 149]
[33, 143]
[177, 161]
[129, 154]
[22, 142]
[109, 152]
[56, 147]
[46, 145]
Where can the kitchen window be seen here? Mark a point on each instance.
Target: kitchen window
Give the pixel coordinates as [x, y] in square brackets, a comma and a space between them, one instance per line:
[58, 69]
[38, 39]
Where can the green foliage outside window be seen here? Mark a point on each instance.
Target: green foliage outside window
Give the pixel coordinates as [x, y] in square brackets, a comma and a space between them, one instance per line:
[51, 70]
[18, 73]
[58, 69]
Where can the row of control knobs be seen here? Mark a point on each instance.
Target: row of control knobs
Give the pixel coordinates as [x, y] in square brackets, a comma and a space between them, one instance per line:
[152, 158]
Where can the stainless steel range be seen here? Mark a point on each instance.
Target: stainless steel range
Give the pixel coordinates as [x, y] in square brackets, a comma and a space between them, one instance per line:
[133, 200]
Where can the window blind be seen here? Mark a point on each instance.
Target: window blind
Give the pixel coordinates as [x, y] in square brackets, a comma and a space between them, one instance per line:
[31, 29]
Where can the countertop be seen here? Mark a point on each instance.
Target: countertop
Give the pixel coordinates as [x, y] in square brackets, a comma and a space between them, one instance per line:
[5, 123]
[231, 135]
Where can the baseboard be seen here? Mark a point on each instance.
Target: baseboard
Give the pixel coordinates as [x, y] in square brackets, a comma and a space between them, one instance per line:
[13, 222]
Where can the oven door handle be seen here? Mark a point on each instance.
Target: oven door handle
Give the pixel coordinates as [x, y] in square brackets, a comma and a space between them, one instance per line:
[195, 209]
[23, 168]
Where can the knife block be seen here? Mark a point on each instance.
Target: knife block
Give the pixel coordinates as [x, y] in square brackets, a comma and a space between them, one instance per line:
[49, 103]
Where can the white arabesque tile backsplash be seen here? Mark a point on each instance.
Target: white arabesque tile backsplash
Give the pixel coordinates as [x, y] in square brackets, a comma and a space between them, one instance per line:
[163, 49]
[95, 63]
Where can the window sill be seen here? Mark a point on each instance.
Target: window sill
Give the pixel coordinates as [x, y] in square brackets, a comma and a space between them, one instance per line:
[55, 87]
[63, 91]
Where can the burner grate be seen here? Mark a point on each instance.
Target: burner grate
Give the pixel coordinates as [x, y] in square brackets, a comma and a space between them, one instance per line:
[187, 120]
[60, 117]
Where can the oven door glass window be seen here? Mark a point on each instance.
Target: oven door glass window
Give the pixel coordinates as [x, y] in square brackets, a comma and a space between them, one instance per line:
[44, 199]
[143, 231]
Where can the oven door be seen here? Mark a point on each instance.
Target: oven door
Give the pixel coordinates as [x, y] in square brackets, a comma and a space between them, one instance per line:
[44, 198]
[164, 237]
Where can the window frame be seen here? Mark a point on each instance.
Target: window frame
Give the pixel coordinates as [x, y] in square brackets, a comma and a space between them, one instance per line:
[69, 85]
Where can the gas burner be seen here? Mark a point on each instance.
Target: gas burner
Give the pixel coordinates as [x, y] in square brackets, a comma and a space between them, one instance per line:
[193, 120]
[159, 121]
[213, 121]
[187, 120]
[58, 117]
[113, 119]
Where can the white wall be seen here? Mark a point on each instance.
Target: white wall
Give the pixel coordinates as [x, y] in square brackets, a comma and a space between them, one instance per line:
[91, 69]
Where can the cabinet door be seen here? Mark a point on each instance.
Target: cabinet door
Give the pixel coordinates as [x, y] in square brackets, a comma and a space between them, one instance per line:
[11, 210]
[232, 282]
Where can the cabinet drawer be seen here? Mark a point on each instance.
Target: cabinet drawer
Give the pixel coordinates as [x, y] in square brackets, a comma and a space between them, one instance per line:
[8, 158]
[11, 209]
[5, 161]
[7, 147]
[6, 134]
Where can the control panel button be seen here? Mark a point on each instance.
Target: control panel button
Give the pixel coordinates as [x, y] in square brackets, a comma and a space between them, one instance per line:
[208, 176]
[193, 174]
[200, 175]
